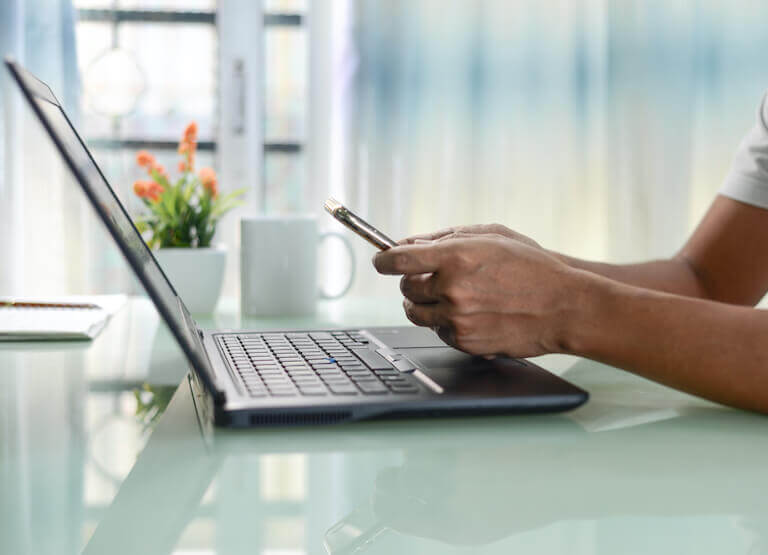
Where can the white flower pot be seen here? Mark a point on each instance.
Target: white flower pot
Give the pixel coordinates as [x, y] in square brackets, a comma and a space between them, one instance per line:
[196, 274]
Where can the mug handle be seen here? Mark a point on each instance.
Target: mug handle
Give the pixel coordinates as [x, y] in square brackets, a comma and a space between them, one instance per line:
[352, 264]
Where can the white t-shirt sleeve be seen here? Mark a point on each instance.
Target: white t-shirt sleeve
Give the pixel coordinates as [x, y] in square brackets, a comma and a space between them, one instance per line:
[748, 179]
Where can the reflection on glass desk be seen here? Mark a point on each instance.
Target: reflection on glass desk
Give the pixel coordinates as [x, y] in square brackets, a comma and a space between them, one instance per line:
[102, 453]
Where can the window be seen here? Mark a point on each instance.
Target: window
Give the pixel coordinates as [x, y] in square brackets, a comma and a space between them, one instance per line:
[140, 89]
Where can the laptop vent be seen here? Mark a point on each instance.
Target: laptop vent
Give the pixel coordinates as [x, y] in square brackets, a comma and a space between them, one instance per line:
[294, 419]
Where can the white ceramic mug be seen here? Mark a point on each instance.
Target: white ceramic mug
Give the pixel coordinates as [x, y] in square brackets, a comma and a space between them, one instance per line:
[278, 265]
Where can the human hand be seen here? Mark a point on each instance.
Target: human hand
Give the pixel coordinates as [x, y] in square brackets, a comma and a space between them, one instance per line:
[469, 230]
[487, 294]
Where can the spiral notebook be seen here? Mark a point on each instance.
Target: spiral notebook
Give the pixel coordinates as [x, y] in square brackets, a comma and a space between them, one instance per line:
[61, 318]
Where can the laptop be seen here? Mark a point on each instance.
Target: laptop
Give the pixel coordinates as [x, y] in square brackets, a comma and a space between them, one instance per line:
[250, 378]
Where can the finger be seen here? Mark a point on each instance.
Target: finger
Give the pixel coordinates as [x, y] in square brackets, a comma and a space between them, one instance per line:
[458, 234]
[427, 236]
[419, 288]
[446, 334]
[410, 259]
[428, 315]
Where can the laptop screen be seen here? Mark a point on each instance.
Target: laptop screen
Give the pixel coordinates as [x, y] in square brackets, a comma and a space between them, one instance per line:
[114, 216]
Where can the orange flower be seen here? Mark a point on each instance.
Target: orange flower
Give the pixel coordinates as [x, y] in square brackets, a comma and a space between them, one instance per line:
[209, 181]
[145, 159]
[190, 133]
[140, 189]
[154, 190]
[188, 148]
[159, 170]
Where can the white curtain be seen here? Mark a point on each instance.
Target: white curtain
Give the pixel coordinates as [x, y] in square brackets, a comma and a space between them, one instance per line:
[41, 225]
[602, 128]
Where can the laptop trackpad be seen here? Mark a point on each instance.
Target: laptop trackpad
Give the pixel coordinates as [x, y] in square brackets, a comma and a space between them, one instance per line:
[400, 338]
[458, 372]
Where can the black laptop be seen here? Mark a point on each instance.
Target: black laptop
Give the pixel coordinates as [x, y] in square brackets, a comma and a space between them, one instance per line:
[252, 378]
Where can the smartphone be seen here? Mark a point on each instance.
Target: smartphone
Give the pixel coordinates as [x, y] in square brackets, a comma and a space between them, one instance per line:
[358, 225]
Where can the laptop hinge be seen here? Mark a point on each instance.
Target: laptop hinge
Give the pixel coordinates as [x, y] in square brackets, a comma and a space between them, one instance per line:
[219, 397]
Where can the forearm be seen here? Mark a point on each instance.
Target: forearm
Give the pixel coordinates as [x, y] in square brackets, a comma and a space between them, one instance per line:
[674, 275]
[713, 350]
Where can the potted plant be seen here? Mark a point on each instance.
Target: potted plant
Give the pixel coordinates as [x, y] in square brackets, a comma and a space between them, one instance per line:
[180, 223]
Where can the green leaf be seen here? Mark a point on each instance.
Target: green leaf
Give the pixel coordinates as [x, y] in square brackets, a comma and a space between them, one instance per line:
[224, 206]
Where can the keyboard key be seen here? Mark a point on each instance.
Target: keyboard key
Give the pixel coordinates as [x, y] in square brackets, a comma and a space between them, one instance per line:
[329, 370]
[294, 372]
[358, 372]
[321, 335]
[307, 382]
[372, 388]
[295, 364]
[274, 368]
[394, 379]
[372, 360]
[282, 392]
[408, 388]
[319, 360]
[300, 372]
[363, 379]
[319, 367]
[366, 381]
[405, 365]
[339, 389]
[329, 344]
[276, 380]
[314, 391]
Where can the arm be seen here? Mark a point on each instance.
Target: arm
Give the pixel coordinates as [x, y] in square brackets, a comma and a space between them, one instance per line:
[710, 349]
[487, 294]
[726, 258]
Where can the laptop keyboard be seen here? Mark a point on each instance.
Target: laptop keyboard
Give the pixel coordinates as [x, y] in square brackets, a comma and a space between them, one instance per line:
[313, 364]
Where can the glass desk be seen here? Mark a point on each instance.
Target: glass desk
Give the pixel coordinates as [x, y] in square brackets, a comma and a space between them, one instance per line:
[102, 452]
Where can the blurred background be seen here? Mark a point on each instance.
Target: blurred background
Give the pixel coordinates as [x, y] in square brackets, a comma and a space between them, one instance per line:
[601, 128]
